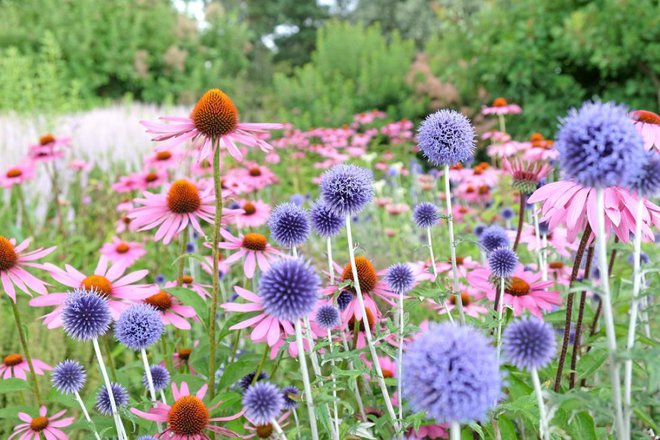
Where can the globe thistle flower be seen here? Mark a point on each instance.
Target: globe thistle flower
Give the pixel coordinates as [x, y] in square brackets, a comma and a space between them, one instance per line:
[246, 380]
[347, 189]
[291, 396]
[327, 317]
[69, 377]
[400, 278]
[289, 289]
[325, 221]
[452, 373]
[344, 299]
[493, 237]
[502, 262]
[85, 315]
[599, 147]
[160, 378]
[426, 215]
[263, 402]
[289, 225]
[529, 343]
[507, 213]
[103, 404]
[146, 437]
[139, 327]
[446, 137]
[647, 182]
[479, 229]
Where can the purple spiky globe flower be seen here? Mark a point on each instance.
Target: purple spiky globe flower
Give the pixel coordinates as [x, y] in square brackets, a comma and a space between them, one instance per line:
[502, 262]
[347, 189]
[289, 289]
[291, 396]
[446, 137]
[327, 317]
[69, 377]
[263, 402]
[159, 376]
[426, 215]
[246, 380]
[103, 404]
[289, 225]
[139, 327]
[529, 343]
[400, 278]
[647, 181]
[493, 237]
[85, 315]
[599, 147]
[325, 221]
[452, 373]
[507, 213]
[344, 299]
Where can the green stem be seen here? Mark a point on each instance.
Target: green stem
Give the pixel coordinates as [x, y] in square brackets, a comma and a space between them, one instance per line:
[26, 351]
[182, 260]
[216, 281]
[24, 210]
[111, 362]
[521, 219]
[166, 355]
[261, 365]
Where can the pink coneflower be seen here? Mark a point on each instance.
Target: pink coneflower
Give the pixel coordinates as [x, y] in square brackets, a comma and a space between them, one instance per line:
[648, 126]
[255, 214]
[188, 418]
[557, 240]
[506, 149]
[123, 252]
[15, 365]
[170, 308]
[496, 136]
[35, 427]
[256, 176]
[254, 247]
[13, 262]
[214, 118]
[80, 165]
[500, 106]
[109, 281]
[428, 432]
[470, 306]
[164, 159]
[524, 291]
[526, 176]
[17, 175]
[560, 272]
[263, 431]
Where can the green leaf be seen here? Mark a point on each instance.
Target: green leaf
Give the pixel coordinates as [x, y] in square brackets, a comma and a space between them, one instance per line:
[11, 385]
[591, 362]
[582, 426]
[192, 299]
[237, 369]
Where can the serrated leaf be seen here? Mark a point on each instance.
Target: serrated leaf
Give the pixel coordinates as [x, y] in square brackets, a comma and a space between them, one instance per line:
[12, 385]
[582, 426]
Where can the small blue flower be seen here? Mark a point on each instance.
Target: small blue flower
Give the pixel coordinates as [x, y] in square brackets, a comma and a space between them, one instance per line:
[297, 199]
[507, 213]
[479, 229]
[400, 278]
[263, 402]
[139, 327]
[160, 377]
[325, 221]
[647, 181]
[69, 377]
[344, 299]
[446, 137]
[289, 225]
[289, 289]
[347, 189]
[246, 380]
[327, 317]
[291, 396]
[426, 215]
[103, 404]
[493, 237]
[529, 343]
[502, 262]
[85, 315]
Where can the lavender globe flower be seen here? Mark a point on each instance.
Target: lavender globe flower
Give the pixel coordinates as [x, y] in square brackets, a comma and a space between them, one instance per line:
[493, 237]
[160, 377]
[502, 262]
[327, 317]
[291, 396]
[146, 437]
[263, 402]
[446, 137]
[325, 221]
[507, 213]
[529, 343]
[426, 215]
[85, 315]
[246, 380]
[599, 147]
[103, 404]
[69, 377]
[139, 327]
[479, 229]
[452, 373]
[289, 225]
[400, 278]
[344, 299]
[647, 181]
[289, 289]
[347, 189]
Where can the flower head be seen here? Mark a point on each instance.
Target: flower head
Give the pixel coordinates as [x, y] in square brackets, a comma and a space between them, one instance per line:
[289, 225]
[103, 404]
[263, 402]
[507, 213]
[327, 317]
[347, 189]
[647, 182]
[529, 343]
[502, 262]
[289, 289]
[247, 380]
[599, 147]
[17, 174]
[426, 215]
[493, 237]
[139, 327]
[13, 261]
[400, 278]
[325, 221]
[446, 137]
[647, 124]
[344, 299]
[526, 176]
[42, 425]
[69, 377]
[15, 365]
[85, 315]
[159, 376]
[451, 372]
[291, 395]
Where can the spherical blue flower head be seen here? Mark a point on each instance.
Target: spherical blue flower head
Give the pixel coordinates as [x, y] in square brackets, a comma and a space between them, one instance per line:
[325, 221]
[544, 228]
[400, 278]
[446, 137]
[452, 373]
[479, 229]
[647, 181]
[85, 315]
[246, 380]
[529, 343]
[347, 189]
[599, 147]
[103, 398]
[69, 377]
[146, 437]
[426, 215]
[160, 377]
[263, 402]
[507, 213]
[493, 237]
[502, 262]
[643, 258]
[289, 225]
[139, 327]
[297, 199]
[344, 299]
[327, 317]
[291, 396]
[289, 289]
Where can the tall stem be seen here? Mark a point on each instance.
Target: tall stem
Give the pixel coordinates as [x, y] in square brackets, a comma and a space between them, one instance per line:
[356, 390]
[521, 221]
[305, 375]
[367, 328]
[454, 431]
[331, 270]
[334, 384]
[217, 224]
[429, 240]
[500, 307]
[261, 365]
[24, 210]
[608, 315]
[150, 381]
[86, 414]
[278, 429]
[543, 417]
[540, 248]
[578, 326]
[400, 358]
[182, 260]
[452, 247]
[26, 350]
[121, 432]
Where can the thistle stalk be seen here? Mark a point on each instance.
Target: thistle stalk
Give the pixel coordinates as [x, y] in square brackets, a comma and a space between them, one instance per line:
[305, 376]
[452, 247]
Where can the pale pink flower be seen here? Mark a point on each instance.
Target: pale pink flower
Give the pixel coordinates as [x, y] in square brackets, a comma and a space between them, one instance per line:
[463, 265]
[255, 214]
[648, 126]
[170, 308]
[500, 106]
[256, 176]
[13, 262]
[35, 427]
[80, 165]
[15, 365]
[17, 175]
[123, 252]
[557, 240]
[253, 247]
[164, 159]
[470, 306]
[506, 149]
[429, 432]
[264, 431]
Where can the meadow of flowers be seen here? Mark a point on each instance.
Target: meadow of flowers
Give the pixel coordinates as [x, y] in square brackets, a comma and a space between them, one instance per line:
[191, 275]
